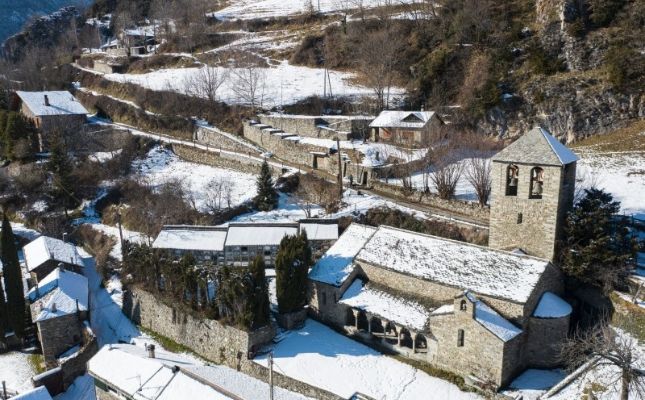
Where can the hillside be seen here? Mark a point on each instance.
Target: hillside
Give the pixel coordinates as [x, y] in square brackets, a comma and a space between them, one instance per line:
[14, 14]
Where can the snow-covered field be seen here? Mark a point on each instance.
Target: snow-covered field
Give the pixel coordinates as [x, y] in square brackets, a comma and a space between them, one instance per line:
[278, 85]
[324, 358]
[162, 166]
[16, 371]
[251, 9]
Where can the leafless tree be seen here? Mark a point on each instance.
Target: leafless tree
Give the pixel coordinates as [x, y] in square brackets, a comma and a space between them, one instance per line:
[446, 177]
[613, 349]
[249, 83]
[205, 83]
[219, 194]
[377, 62]
[316, 191]
[478, 174]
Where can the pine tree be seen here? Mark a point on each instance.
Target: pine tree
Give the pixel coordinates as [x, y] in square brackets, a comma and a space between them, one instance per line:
[267, 197]
[11, 133]
[16, 308]
[3, 316]
[598, 249]
[60, 165]
[291, 266]
[259, 304]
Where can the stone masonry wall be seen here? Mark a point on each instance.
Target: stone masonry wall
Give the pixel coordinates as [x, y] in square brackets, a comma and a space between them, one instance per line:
[214, 138]
[536, 233]
[59, 334]
[308, 125]
[546, 337]
[223, 160]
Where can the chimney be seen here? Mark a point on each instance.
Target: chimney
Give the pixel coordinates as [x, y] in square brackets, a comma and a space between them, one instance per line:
[53, 307]
[64, 233]
[46, 100]
[151, 350]
[423, 106]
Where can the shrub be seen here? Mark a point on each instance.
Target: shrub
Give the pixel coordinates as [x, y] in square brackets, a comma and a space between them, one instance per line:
[603, 12]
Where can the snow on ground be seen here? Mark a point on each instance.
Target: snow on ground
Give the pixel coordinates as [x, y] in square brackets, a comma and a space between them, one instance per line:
[621, 174]
[324, 358]
[81, 389]
[533, 383]
[103, 156]
[251, 9]
[162, 166]
[130, 236]
[16, 371]
[281, 84]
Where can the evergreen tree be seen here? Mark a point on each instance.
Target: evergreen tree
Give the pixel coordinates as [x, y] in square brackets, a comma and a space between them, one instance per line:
[12, 131]
[16, 308]
[291, 266]
[267, 197]
[3, 316]
[60, 165]
[598, 249]
[259, 304]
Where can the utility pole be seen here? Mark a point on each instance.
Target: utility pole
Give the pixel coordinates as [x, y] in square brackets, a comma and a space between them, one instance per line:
[271, 376]
[340, 171]
[118, 220]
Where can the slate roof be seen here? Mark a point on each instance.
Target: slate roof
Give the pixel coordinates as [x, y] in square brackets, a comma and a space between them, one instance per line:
[537, 146]
[402, 119]
[60, 103]
[46, 248]
[197, 238]
[59, 293]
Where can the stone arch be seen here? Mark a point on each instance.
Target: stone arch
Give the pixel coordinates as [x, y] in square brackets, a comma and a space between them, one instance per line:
[463, 305]
[391, 334]
[420, 344]
[406, 338]
[362, 324]
[376, 326]
[350, 320]
[512, 179]
[537, 183]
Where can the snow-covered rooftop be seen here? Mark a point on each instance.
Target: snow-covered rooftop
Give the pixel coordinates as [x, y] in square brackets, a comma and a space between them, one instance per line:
[552, 306]
[248, 234]
[407, 313]
[46, 248]
[402, 119]
[319, 230]
[466, 266]
[58, 294]
[60, 103]
[492, 321]
[336, 265]
[171, 376]
[191, 238]
[537, 147]
[39, 393]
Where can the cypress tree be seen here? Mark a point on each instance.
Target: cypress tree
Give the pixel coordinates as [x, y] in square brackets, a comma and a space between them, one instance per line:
[16, 308]
[259, 304]
[291, 267]
[267, 197]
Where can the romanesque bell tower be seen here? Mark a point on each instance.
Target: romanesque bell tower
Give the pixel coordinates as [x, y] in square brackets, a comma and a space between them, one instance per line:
[532, 190]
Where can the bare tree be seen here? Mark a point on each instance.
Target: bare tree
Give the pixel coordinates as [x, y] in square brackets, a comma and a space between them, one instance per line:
[478, 174]
[205, 83]
[249, 83]
[613, 349]
[219, 194]
[377, 62]
[446, 177]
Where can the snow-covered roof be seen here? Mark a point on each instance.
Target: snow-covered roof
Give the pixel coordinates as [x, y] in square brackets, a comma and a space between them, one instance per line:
[480, 269]
[336, 264]
[491, 320]
[403, 312]
[444, 309]
[39, 393]
[46, 248]
[320, 230]
[195, 238]
[402, 119]
[60, 103]
[171, 376]
[58, 294]
[537, 147]
[552, 306]
[254, 234]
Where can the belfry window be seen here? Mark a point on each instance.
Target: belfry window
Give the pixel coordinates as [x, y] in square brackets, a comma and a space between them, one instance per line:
[512, 174]
[537, 183]
[463, 306]
[460, 338]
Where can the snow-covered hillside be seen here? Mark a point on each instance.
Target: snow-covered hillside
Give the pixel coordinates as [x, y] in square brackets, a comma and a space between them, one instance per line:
[14, 13]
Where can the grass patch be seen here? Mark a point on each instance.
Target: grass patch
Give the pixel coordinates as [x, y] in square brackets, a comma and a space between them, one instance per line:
[37, 363]
[628, 317]
[629, 138]
[172, 346]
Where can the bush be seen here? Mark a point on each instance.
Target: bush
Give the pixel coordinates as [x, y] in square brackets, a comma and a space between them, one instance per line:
[543, 63]
[619, 64]
[604, 11]
[399, 219]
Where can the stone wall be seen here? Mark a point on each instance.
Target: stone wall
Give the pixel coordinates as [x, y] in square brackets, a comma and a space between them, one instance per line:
[546, 338]
[210, 339]
[214, 137]
[76, 366]
[59, 334]
[220, 160]
[465, 208]
[305, 125]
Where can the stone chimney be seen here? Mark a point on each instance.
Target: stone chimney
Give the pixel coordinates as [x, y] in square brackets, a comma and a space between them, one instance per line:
[53, 307]
[46, 100]
[151, 350]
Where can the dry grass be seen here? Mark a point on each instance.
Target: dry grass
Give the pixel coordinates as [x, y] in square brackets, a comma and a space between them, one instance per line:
[629, 138]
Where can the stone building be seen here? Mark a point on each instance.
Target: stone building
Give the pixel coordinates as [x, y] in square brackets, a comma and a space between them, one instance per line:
[237, 244]
[533, 184]
[60, 308]
[51, 112]
[411, 128]
[45, 254]
[343, 127]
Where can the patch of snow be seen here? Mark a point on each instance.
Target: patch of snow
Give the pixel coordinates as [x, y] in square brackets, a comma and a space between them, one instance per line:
[16, 371]
[103, 156]
[552, 306]
[533, 383]
[494, 322]
[39, 206]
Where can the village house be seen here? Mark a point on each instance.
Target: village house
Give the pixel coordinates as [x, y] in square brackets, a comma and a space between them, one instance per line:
[45, 254]
[237, 244]
[51, 112]
[407, 128]
[60, 309]
[160, 375]
[481, 312]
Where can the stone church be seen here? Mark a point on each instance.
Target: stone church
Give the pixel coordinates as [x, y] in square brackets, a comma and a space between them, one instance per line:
[486, 313]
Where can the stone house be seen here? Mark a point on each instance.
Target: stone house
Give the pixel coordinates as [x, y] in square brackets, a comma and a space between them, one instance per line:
[60, 308]
[51, 112]
[45, 254]
[237, 244]
[408, 128]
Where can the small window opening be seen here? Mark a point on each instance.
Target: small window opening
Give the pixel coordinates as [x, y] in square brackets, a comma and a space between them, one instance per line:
[463, 306]
[537, 183]
[520, 218]
[512, 174]
[460, 338]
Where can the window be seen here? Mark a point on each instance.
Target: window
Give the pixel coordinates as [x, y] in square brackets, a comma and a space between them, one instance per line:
[537, 181]
[463, 306]
[512, 175]
[460, 338]
[520, 217]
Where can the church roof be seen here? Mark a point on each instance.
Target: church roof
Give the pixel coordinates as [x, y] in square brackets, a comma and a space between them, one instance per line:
[537, 146]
